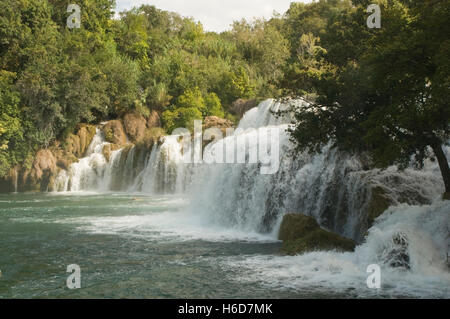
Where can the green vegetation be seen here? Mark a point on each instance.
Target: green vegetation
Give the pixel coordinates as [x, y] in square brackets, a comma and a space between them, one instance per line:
[52, 78]
[377, 91]
[380, 91]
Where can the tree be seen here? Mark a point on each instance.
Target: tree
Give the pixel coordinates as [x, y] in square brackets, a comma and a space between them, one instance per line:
[183, 117]
[13, 148]
[213, 105]
[388, 94]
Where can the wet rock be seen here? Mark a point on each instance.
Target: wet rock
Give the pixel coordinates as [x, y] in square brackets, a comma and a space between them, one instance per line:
[301, 234]
[396, 254]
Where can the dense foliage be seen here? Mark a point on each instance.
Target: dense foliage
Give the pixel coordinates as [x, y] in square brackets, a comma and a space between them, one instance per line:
[382, 92]
[53, 77]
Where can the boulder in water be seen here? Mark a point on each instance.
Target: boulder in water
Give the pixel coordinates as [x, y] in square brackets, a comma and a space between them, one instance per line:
[301, 234]
[396, 253]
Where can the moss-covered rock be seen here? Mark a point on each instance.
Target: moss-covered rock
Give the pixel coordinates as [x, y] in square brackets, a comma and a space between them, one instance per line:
[64, 160]
[135, 126]
[77, 144]
[301, 234]
[115, 133]
[295, 226]
[446, 196]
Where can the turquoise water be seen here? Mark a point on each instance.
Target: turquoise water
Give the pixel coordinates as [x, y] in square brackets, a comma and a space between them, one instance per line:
[120, 252]
[140, 246]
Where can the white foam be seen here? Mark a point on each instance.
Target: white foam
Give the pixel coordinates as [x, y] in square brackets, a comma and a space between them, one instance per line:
[427, 230]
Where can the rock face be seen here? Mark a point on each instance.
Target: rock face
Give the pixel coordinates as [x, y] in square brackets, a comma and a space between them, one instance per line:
[45, 162]
[241, 106]
[301, 234]
[39, 176]
[217, 122]
[77, 144]
[214, 121]
[154, 120]
[115, 133]
[135, 126]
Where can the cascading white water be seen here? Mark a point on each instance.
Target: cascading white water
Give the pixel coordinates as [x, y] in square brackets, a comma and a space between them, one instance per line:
[409, 242]
[131, 168]
[331, 186]
[85, 175]
[165, 171]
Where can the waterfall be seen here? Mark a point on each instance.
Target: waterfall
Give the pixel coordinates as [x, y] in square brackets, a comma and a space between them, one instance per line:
[87, 174]
[165, 171]
[408, 243]
[130, 169]
[331, 186]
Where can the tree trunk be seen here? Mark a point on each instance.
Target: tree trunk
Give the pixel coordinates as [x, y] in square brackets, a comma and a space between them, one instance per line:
[443, 165]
